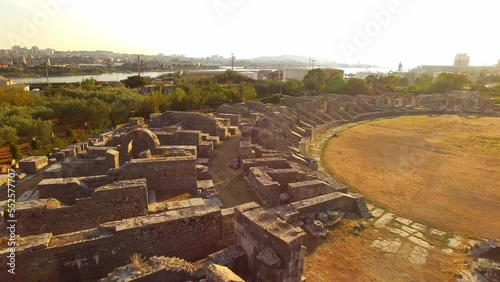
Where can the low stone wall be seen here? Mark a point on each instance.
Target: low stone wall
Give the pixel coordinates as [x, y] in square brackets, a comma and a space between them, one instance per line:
[166, 174]
[118, 200]
[85, 167]
[89, 255]
[188, 120]
[67, 190]
[308, 189]
[353, 204]
[289, 175]
[277, 163]
[234, 119]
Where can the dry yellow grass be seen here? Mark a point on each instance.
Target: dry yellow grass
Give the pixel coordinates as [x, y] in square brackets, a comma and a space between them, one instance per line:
[137, 261]
[443, 171]
[346, 257]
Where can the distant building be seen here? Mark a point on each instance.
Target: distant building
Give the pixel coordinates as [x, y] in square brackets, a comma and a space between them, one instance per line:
[461, 61]
[35, 50]
[250, 74]
[148, 89]
[5, 81]
[295, 73]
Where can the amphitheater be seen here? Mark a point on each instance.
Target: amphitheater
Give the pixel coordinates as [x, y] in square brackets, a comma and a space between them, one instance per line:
[149, 201]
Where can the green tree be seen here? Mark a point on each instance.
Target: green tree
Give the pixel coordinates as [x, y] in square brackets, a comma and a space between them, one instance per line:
[15, 152]
[450, 81]
[247, 92]
[8, 134]
[315, 79]
[403, 81]
[335, 84]
[423, 84]
[35, 144]
[293, 87]
[356, 86]
[137, 81]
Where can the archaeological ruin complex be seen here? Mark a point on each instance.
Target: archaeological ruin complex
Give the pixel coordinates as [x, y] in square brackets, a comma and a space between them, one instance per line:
[107, 198]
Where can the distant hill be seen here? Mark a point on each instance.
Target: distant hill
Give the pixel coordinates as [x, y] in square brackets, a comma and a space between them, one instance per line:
[284, 58]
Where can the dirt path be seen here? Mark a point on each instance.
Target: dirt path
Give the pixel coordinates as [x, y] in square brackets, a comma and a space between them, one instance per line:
[232, 187]
[442, 171]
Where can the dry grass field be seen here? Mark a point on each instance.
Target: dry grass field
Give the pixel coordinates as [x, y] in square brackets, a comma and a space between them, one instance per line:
[442, 171]
[343, 256]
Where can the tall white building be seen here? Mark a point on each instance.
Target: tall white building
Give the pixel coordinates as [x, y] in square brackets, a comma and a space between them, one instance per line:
[461, 61]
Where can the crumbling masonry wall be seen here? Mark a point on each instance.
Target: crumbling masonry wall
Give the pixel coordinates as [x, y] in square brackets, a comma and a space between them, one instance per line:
[273, 247]
[187, 120]
[353, 205]
[89, 255]
[67, 190]
[266, 189]
[119, 200]
[167, 174]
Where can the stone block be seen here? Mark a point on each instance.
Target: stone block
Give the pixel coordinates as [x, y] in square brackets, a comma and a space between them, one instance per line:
[33, 164]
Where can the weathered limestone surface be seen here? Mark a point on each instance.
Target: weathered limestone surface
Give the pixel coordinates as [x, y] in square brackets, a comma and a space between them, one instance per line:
[267, 190]
[33, 164]
[308, 189]
[188, 120]
[219, 273]
[274, 248]
[167, 174]
[90, 255]
[67, 190]
[118, 200]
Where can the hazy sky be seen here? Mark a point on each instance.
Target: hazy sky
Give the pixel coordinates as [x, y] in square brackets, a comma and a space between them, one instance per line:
[382, 32]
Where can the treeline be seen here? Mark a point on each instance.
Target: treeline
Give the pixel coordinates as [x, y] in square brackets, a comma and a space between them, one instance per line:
[55, 116]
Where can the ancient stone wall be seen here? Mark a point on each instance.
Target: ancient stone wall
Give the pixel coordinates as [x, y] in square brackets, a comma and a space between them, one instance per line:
[187, 120]
[333, 201]
[277, 163]
[290, 175]
[167, 174]
[89, 255]
[267, 190]
[308, 189]
[274, 248]
[67, 190]
[234, 119]
[118, 200]
[88, 167]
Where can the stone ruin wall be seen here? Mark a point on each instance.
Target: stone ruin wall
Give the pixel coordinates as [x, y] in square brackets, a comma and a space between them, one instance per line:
[119, 200]
[173, 173]
[67, 190]
[187, 120]
[89, 255]
[274, 248]
[354, 205]
[308, 189]
[267, 190]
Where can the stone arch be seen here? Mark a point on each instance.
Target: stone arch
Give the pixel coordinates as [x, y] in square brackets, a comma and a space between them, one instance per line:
[137, 141]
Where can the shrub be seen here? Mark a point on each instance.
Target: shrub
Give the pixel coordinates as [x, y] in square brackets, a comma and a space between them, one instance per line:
[15, 152]
[8, 134]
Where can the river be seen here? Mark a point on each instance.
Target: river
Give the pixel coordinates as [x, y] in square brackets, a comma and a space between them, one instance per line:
[117, 76]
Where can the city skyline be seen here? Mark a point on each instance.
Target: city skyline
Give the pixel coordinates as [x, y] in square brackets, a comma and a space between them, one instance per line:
[377, 32]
